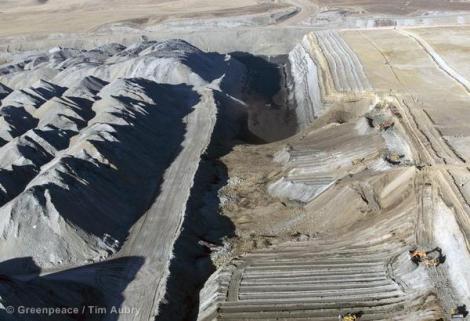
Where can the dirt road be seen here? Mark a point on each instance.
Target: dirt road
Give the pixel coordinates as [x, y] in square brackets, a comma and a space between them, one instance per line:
[154, 235]
[307, 9]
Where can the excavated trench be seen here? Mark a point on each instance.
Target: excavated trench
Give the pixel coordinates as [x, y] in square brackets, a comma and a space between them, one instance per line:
[356, 175]
[269, 116]
[270, 112]
[259, 113]
[384, 233]
[392, 204]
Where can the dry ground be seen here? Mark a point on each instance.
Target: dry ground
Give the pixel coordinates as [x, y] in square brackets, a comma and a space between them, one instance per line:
[382, 208]
[59, 16]
[433, 105]
[397, 7]
[81, 16]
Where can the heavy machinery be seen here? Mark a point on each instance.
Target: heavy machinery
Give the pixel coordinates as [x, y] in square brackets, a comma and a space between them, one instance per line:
[350, 316]
[459, 313]
[430, 258]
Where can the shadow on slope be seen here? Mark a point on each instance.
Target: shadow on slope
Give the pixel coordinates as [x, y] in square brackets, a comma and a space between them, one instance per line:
[140, 151]
[82, 293]
[106, 180]
[270, 116]
[204, 228]
[139, 155]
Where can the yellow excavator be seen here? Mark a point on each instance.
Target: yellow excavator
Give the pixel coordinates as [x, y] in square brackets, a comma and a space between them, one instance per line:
[350, 316]
[418, 256]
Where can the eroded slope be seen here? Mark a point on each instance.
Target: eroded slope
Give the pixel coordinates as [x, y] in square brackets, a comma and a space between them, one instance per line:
[370, 177]
[98, 159]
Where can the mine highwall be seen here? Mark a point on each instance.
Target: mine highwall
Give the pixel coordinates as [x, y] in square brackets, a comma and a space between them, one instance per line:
[304, 85]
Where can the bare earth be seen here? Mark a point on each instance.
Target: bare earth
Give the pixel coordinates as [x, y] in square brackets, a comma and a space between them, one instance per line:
[235, 160]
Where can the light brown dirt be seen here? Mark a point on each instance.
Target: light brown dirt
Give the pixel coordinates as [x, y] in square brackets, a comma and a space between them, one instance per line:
[399, 7]
[55, 16]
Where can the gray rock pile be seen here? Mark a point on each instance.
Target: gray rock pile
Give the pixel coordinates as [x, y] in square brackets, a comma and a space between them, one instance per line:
[86, 137]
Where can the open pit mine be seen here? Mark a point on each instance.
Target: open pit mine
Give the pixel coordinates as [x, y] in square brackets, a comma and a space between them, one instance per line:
[216, 161]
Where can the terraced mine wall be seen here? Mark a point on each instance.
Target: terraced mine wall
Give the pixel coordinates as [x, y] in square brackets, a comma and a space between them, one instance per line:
[73, 117]
[113, 153]
[321, 66]
[305, 85]
[368, 181]
[102, 151]
[117, 156]
[265, 116]
[324, 73]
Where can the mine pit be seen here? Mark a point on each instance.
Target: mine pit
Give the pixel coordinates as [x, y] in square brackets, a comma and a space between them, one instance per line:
[215, 161]
[271, 112]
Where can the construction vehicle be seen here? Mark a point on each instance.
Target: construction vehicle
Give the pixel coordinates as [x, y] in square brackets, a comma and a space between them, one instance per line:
[459, 313]
[350, 316]
[418, 256]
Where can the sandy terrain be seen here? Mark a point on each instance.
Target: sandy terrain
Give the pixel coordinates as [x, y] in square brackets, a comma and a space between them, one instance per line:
[34, 17]
[283, 163]
[82, 16]
[400, 7]
[425, 85]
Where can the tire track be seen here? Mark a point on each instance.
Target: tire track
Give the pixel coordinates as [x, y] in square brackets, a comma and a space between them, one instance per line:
[438, 60]
[166, 214]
